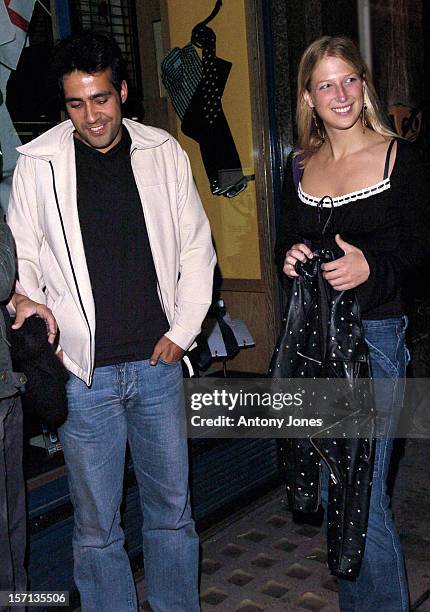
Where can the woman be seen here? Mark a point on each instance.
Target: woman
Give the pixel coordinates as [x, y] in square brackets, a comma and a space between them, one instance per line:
[350, 164]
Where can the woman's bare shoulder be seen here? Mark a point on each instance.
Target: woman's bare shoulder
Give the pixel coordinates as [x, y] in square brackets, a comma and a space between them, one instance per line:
[377, 150]
[377, 143]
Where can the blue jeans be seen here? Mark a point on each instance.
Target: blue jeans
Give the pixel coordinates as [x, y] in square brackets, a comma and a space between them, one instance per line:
[381, 585]
[143, 405]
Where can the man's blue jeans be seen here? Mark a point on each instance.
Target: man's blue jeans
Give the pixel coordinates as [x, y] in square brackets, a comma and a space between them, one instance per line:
[381, 585]
[143, 405]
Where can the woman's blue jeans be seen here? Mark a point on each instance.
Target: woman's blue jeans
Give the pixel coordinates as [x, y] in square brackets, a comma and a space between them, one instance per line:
[381, 585]
[143, 405]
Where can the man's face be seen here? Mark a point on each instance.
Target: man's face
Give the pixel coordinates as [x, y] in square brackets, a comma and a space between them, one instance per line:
[94, 106]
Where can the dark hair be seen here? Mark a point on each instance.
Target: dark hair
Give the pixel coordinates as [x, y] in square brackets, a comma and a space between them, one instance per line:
[88, 52]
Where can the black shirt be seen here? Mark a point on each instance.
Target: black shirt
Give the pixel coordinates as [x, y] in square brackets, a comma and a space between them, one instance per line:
[390, 224]
[129, 317]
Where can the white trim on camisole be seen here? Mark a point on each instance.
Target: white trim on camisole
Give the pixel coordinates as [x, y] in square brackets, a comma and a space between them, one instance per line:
[367, 192]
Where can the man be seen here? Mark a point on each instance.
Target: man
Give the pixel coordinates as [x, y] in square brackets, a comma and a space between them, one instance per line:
[12, 491]
[111, 235]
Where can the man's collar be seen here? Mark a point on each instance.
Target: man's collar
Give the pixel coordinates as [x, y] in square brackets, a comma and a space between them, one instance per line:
[57, 139]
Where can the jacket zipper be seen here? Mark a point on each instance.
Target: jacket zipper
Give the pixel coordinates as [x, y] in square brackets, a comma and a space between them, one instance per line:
[332, 476]
[73, 269]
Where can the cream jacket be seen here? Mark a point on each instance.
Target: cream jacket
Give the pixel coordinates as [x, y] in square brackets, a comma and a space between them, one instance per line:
[52, 268]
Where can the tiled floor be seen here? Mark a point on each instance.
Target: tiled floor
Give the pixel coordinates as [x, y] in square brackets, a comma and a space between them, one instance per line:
[264, 561]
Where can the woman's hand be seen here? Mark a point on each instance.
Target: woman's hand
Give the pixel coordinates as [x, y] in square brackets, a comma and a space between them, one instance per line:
[298, 252]
[348, 271]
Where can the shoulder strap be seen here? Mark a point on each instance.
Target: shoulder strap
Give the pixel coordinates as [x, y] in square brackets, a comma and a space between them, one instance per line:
[297, 171]
[387, 158]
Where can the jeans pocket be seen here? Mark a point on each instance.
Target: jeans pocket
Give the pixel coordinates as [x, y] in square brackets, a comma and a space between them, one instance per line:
[379, 358]
[386, 341]
[168, 363]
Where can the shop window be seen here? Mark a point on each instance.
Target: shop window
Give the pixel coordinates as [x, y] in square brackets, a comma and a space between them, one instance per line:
[116, 17]
[35, 113]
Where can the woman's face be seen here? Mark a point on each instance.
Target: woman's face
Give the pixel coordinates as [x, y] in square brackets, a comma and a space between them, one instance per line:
[336, 93]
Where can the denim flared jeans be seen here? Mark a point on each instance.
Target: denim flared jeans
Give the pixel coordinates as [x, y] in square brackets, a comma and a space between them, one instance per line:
[143, 405]
[381, 585]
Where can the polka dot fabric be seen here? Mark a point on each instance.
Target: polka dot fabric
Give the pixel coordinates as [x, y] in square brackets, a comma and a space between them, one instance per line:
[322, 338]
[205, 121]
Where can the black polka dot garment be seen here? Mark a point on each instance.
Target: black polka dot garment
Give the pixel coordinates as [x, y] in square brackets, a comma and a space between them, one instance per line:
[322, 339]
[205, 121]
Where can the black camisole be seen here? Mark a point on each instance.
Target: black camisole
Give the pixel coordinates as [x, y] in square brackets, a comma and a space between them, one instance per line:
[388, 221]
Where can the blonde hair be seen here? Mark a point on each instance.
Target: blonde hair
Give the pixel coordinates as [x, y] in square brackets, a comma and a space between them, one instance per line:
[310, 136]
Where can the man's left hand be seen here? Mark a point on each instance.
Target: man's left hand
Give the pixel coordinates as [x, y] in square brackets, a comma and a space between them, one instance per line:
[348, 271]
[25, 308]
[166, 350]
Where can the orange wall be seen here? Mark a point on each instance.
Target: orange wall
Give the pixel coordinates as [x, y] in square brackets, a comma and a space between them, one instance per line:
[233, 222]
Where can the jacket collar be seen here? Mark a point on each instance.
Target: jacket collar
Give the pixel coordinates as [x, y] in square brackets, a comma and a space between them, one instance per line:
[53, 142]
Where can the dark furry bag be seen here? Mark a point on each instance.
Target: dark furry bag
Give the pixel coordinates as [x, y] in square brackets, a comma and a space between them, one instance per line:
[45, 390]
